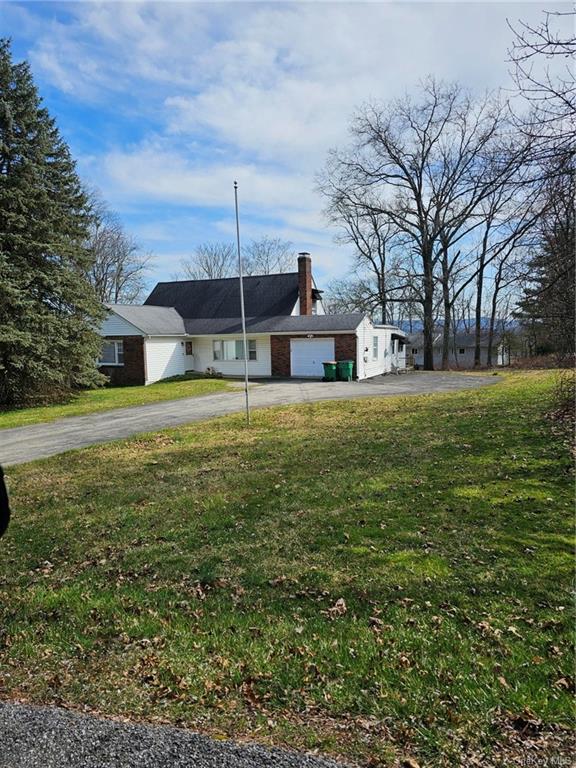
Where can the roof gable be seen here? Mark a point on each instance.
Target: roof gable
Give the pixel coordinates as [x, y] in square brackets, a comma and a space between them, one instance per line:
[264, 296]
[152, 321]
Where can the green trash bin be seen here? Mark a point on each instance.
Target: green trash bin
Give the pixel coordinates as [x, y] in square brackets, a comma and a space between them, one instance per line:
[329, 371]
[345, 370]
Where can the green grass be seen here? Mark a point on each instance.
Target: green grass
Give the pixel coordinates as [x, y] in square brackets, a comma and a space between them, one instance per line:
[93, 400]
[370, 578]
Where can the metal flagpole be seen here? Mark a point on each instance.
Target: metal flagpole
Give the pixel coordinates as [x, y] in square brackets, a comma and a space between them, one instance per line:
[242, 306]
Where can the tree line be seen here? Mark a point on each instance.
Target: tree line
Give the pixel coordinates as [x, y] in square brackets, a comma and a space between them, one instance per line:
[456, 205]
[213, 260]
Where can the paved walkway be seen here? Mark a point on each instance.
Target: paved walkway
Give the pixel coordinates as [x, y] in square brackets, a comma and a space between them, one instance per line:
[46, 737]
[22, 444]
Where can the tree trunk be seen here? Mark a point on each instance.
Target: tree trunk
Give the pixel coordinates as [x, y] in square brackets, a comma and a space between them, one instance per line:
[478, 315]
[490, 337]
[493, 309]
[446, 339]
[447, 312]
[383, 307]
[428, 306]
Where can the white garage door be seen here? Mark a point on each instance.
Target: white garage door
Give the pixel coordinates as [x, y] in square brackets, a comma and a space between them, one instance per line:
[307, 356]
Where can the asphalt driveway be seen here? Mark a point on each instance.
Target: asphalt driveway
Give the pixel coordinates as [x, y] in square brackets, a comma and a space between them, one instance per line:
[46, 737]
[22, 444]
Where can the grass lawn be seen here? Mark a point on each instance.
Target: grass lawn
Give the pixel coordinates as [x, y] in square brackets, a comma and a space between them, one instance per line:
[105, 399]
[372, 578]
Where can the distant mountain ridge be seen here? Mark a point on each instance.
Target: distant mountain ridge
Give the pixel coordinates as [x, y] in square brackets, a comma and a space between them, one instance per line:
[461, 327]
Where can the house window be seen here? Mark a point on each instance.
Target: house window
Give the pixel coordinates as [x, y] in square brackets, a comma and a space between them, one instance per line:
[189, 348]
[374, 347]
[112, 353]
[233, 349]
[400, 346]
[461, 351]
[314, 307]
[414, 350]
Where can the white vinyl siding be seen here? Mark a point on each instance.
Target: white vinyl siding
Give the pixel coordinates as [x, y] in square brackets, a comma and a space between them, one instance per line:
[204, 357]
[458, 359]
[114, 325]
[371, 340]
[320, 307]
[398, 354]
[377, 351]
[165, 356]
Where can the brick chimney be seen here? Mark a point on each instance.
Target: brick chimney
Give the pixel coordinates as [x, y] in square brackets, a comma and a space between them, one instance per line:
[305, 283]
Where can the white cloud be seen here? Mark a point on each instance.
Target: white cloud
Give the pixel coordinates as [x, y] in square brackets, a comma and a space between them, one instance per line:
[154, 173]
[256, 92]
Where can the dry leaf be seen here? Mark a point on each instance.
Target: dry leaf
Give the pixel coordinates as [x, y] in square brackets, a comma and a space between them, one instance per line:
[338, 609]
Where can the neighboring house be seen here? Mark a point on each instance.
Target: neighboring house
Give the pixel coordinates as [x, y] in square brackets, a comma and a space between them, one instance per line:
[461, 352]
[192, 325]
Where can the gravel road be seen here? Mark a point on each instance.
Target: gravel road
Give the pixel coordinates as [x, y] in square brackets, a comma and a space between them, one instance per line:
[47, 737]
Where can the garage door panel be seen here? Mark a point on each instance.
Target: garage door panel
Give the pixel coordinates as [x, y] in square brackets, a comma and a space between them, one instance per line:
[307, 356]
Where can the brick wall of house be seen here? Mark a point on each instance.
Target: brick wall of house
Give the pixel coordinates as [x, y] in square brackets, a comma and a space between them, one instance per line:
[305, 283]
[344, 349]
[280, 355]
[132, 373]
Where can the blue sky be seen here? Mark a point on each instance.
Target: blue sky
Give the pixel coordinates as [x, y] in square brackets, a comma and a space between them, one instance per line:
[165, 104]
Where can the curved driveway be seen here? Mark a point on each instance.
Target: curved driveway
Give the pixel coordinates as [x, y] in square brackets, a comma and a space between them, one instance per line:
[22, 444]
[47, 737]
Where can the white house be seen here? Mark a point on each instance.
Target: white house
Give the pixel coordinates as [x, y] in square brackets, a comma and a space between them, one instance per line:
[461, 351]
[192, 325]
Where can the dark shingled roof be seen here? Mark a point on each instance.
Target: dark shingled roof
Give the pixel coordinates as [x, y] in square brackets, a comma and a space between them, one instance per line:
[264, 296]
[208, 307]
[458, 340]
[279, 324]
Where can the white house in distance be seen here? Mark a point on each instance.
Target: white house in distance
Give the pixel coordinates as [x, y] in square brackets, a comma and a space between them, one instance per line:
[192, 325]
[461, 351]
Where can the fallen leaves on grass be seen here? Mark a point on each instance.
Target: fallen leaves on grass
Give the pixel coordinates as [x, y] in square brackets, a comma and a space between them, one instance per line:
[338, 609]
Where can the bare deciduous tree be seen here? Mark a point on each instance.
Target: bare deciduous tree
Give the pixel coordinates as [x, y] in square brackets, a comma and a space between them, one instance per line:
[543, 70]
[352, 294]
[371, 235]
[210, 261]
[426, 167]
[265, 256]
[119, 267]
[504, 283]
[268, 255]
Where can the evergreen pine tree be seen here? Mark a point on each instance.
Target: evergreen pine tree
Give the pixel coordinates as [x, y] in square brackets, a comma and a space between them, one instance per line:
[547, 308]
[48, 309]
